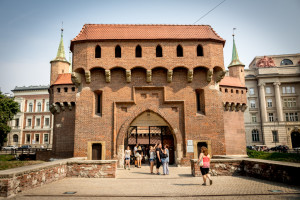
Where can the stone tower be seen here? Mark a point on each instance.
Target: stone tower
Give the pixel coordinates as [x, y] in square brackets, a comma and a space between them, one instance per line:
[59, 65]
[236, 67]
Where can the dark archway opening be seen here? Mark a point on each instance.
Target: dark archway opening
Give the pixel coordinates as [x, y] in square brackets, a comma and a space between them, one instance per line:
[199, 145]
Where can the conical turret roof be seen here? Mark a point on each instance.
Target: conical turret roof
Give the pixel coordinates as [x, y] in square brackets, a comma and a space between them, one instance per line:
[235, 57]
[60, 56]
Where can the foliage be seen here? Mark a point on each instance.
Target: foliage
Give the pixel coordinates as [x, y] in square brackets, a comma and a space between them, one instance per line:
[8, 108]
[287, 157]
[9, 161]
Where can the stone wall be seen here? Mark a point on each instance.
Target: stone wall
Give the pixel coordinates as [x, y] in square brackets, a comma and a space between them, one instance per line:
[268, 170]
[13, 181]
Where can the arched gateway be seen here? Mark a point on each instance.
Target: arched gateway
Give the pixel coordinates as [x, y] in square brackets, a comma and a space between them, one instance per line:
[148, 129]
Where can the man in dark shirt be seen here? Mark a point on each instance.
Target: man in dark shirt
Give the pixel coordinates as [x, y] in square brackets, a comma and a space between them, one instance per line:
[158, 158]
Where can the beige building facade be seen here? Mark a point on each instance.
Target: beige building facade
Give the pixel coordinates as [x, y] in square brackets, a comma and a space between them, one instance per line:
[33, 125]
[272, 116]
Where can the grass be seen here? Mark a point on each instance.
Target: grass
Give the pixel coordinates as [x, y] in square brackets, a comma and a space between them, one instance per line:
[286, 157]
[9, 161]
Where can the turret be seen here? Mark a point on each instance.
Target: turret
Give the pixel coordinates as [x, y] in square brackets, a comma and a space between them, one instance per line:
[236, 67]
[59, 65]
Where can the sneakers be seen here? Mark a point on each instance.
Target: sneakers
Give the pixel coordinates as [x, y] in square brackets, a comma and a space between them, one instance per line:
[158, 173]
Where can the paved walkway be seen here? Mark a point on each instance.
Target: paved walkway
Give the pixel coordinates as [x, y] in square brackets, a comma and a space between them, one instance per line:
[138, 183]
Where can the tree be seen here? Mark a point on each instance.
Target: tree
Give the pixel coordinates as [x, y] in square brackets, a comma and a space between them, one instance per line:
[8, 108]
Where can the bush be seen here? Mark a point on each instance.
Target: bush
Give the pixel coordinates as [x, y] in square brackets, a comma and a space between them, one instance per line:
[287, 157]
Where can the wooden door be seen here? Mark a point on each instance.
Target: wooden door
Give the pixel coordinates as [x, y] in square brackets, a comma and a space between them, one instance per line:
[96, 151]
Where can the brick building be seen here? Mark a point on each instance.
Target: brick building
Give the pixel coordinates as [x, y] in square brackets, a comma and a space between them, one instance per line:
[33, 125]
[145, 84]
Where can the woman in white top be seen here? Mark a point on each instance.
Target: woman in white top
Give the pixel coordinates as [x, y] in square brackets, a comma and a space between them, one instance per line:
[152, 157]
[127, 154]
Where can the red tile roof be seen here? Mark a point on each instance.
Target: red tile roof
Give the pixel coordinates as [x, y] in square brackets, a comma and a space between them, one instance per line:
[231, 81]
[139, 31]
[63, 79]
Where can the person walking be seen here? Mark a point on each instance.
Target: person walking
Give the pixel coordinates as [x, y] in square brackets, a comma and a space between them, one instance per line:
[134, 154]
[127, 154]
[152, 157]
[204, 166]
[158, 157]
[138, 156]
[165, 160]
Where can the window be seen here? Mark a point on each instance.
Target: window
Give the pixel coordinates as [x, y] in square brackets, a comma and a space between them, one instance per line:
[269, 102]
[268, 90]
[286, 62]
[58, 90]
[47, 121]
[46, 138]
[98, 99]
[66, 89]
[28, 138]
[290, 102]
[200, 100]
[47, 106]
[15, 138]
[159, 51]
[288, 90]
[73, 89]
[242, 91]
[254, 119]
[17, 122]
[179, 51]
[118, 51]
[237, 91]
[199, 50]
[271, 117]
[39, 107]
[30, 107]
[252, 104]
[138, 51]
[231, 90]
[255, 135]
[38, 122]
[37, 138]
[291, 117]
[226, 90]
[251, 91]
[275, 136]
[98, 52]
[28, 122]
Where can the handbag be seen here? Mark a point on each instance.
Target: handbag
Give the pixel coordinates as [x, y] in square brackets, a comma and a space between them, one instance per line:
[201, 163]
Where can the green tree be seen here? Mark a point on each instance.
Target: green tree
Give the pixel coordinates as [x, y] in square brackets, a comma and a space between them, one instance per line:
[8, 108]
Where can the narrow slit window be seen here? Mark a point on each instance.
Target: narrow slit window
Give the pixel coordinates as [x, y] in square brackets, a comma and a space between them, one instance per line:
[98, 105]
[199, 50]
[179, 51]
[138, 51]
[98, 52]
[159, 51]
[200, 101]
[118, 51]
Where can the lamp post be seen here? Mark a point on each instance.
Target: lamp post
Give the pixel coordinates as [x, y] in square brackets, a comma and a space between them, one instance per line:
[276, 136]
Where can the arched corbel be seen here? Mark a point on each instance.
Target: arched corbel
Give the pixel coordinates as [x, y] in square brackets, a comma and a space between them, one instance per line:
[107, 76]
[62, 106]
[149, 75]
[238, 107]
[244, 107]
[170, 75]
[232, 107]
[69, 105]
[52, 108]
[128, 75]
[209, 75]
[87, 77]
[220, 76]
[190, 75]
[76, 78]
[227, 105]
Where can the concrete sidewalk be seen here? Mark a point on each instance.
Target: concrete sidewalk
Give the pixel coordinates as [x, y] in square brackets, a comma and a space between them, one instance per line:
[138, 183]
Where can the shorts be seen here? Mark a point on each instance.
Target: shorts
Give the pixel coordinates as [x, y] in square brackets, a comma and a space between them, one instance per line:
[204, 171]
[138, 157]
[127, 158]
[151, 160]
[158, 164]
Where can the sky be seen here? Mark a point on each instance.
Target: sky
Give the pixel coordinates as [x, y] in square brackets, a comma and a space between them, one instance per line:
[30, 29]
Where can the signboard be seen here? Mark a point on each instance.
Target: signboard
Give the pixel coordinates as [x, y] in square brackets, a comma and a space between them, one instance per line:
[190, 146]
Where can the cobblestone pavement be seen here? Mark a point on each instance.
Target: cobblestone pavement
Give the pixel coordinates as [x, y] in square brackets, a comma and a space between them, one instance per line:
[138, 183]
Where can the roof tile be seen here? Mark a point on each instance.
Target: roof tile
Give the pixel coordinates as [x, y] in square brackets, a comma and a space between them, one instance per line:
[63, 79]
[231, 81]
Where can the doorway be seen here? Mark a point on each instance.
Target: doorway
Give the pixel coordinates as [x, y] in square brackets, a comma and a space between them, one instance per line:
[295, 136]
[97, 151]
